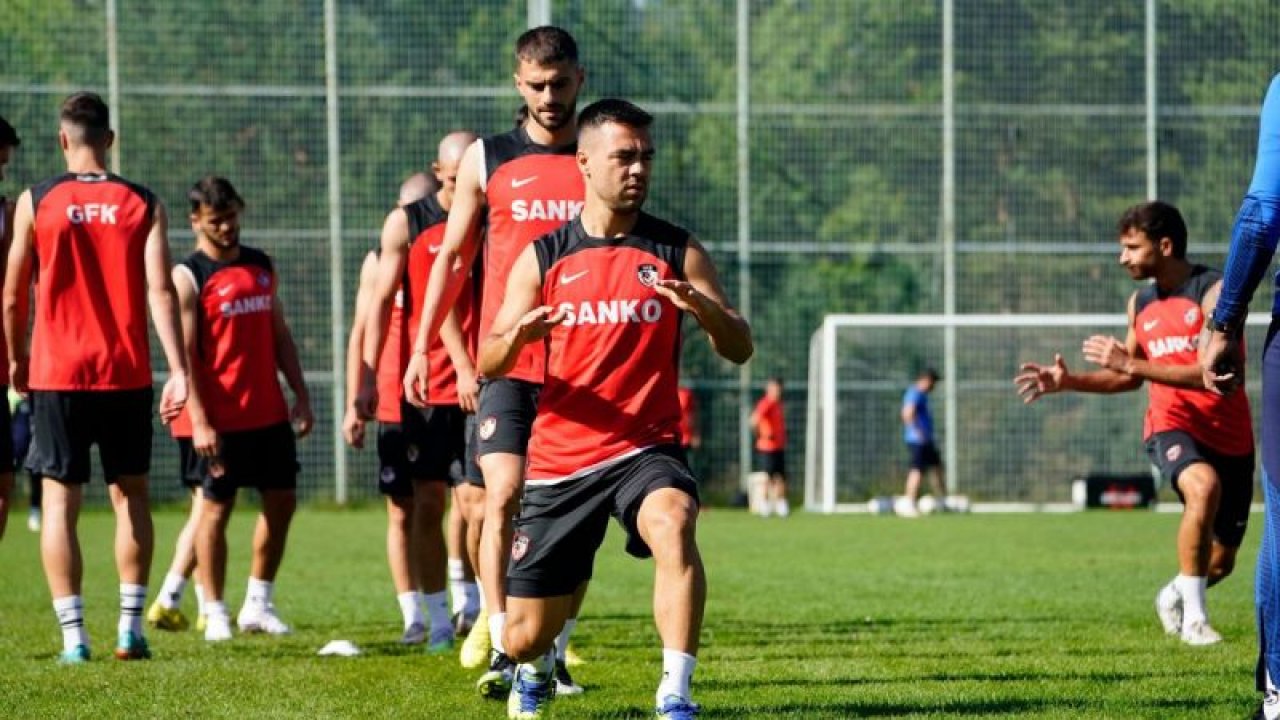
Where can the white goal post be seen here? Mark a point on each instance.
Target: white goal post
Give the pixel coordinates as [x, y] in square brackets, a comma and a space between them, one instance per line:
[1003, 455]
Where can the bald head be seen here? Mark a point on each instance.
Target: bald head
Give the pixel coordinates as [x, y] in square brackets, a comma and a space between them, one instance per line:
[415, 187]
[453, 145]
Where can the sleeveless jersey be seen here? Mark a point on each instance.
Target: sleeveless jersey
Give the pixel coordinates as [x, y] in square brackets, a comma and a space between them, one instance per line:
[236, 341]
[613, 365]
[4, 347]
[427, 220]
[90, 330]
[530, 190]
[1167, 327]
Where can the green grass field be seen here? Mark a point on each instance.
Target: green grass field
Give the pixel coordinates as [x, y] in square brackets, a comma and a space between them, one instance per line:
[1043, 616]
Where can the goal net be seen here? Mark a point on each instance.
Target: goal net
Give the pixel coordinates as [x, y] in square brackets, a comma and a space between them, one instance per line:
[995, 448]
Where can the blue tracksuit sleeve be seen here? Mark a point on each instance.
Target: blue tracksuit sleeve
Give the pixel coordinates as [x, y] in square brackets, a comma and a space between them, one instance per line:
[1257, 226]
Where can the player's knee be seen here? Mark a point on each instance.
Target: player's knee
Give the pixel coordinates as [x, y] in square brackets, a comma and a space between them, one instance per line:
[1222, 567]
[1199, 484]
[526, 639]
[669, 521]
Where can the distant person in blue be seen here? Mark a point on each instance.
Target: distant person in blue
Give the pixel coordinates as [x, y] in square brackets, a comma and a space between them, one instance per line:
[917, 433]
[1253, 243]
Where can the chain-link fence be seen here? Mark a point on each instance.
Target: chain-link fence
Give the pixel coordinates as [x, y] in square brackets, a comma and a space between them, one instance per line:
[866, 151]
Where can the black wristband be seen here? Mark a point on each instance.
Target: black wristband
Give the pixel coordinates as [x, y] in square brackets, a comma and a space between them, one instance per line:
[1227, 328]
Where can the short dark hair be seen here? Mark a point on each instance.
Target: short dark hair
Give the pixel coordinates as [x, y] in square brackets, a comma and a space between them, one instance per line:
[613, 110]
[928, 372]
[87, 111]
[8, 136]
[1157, 220]
[546, 45]
[214, 192]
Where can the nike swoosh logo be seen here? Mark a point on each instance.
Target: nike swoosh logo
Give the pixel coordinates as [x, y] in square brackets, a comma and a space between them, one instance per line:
[566, 279]
[1147, 326]
[521, 183]
[225, 290]
[433, 249]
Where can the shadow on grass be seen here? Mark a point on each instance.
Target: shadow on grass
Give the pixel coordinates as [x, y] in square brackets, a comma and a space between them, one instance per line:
[1013, 707]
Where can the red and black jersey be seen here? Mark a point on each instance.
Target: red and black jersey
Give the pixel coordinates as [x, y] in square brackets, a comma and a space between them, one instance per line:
[392, 361]
[90, 330]
[613, 365]
[530, 190]
[235, 364]
[1167, 326]
[4, 347]
[427, 221]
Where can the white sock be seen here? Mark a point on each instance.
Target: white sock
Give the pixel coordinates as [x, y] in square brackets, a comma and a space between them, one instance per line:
[784, 508]
[562, 640]
[438, 610]
[132, 599]
[199, 599]
[541, 667]
[171, 591]
[259, 593]
[409, 608]
[70, 612]
[677, 672]
[456, 580]
[1192, 590]
[497, 623]
[216, 610]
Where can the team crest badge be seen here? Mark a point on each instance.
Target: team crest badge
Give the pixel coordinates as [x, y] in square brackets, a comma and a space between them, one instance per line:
[519, 546]
[388, 475]
[411, 452]
[264, 279]
[1173, 453]
[487, 426]
[1192, 316]
[648, 274]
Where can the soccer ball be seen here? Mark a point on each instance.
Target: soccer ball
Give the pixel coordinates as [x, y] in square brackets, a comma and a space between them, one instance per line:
[927, 505]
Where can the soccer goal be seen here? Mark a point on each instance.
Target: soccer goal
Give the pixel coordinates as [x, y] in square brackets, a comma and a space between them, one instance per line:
[999, 452]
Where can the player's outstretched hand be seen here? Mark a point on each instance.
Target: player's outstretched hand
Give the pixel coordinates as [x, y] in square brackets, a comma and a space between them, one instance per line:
[1221, 365]
[173, 397]
[1106, 351]
[353, 428]
[681, 294]
[205, 440]
[415, 380]
[301, 417]
[537, 323]
[1035, 380]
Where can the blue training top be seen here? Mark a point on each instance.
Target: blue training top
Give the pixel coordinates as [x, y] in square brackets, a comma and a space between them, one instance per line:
[1257, 227]
[919, 432]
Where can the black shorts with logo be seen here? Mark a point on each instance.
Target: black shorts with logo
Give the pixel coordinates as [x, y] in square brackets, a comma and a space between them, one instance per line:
[1173, 451]
[66, 423]
[561, 526]
[423, 446]
[924, 456]
[263, 458]
[505, 415]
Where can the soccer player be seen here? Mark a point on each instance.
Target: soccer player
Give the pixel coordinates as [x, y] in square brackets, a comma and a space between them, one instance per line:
[97, 247]
[770, 426]
[1202, 442]
[8, 141]
[608, 292]
[917, 433]
[417, 451]
[1253, 244]
[524, 183]
[242, 430]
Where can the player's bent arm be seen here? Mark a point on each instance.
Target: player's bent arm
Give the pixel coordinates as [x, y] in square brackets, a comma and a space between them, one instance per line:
[729, 332]
[161, 294]
[386, 283]
[455, 344]
[355, 343]
[1105, 382]
[17, 279]
[457, 249]
[499, 350]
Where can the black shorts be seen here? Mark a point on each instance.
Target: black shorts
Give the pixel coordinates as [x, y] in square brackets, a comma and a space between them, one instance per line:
[190, 472]
[423, 446]
[6, 432]
[773, 462]
[471, 473]
[64, 424]
[506, 413]
[561, 526]
[924, 456]
[263, 458]
[1173, 451]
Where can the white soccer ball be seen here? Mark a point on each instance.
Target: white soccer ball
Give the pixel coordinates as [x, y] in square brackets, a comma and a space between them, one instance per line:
[927, 505]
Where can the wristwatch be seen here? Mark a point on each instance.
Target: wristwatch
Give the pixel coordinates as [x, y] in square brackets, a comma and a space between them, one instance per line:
[1227, 328]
